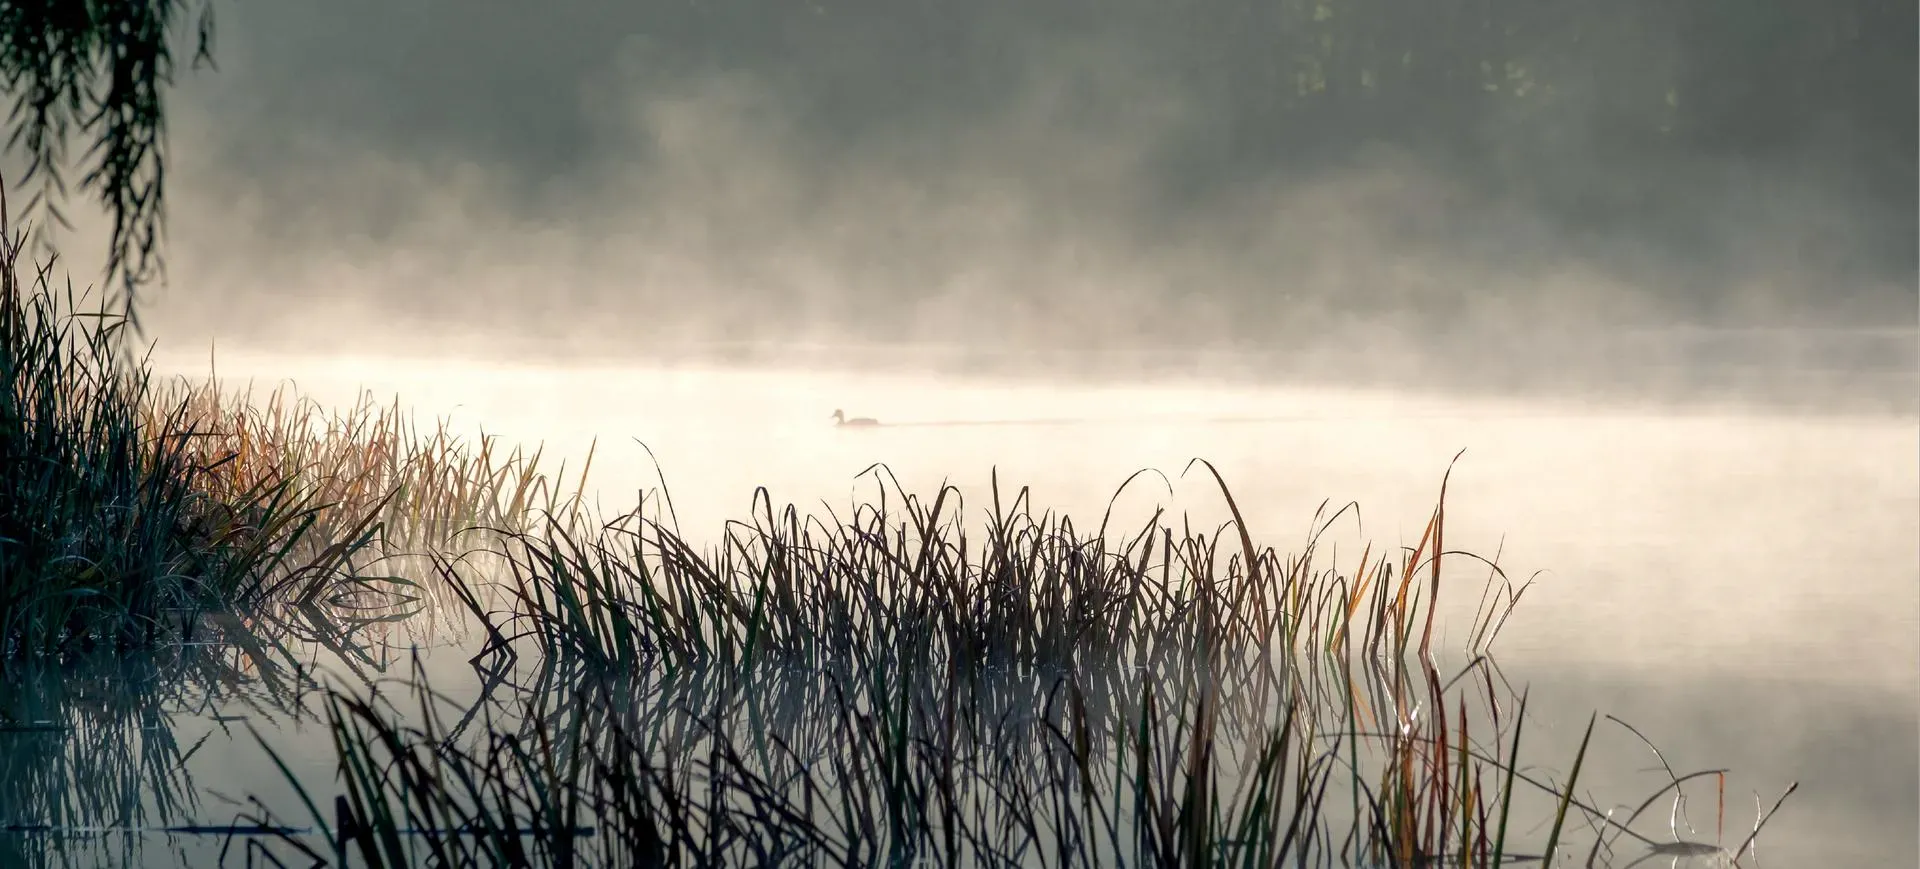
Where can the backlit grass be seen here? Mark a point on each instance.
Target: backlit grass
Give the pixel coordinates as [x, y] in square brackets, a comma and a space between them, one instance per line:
[426, 488]
[899, 689]
[128, 509]
[109, 523]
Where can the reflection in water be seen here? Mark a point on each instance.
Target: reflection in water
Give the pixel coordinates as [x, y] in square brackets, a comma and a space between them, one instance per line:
[90, 752]
[173, 762]
[1851, 749]
[152, 758]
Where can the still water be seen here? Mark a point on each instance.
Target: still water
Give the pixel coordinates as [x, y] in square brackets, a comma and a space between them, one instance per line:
[1742, 586]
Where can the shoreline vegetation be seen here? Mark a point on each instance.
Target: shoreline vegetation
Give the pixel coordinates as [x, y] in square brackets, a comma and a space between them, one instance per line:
[903, 685]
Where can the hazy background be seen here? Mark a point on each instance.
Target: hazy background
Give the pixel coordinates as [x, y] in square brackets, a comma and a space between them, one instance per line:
[1480, 190]
[1645, 194]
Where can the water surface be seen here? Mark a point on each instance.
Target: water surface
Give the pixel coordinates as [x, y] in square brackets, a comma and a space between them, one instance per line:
[1740, 585]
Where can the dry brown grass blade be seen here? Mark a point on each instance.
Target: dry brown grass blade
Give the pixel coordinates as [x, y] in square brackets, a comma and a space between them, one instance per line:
[1362, 579]
[1407, 572]
[1439, 548]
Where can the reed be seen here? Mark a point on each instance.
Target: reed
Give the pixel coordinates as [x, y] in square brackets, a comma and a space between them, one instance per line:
[129, 509]
[902, 689]
[427, 487]
[107, 526]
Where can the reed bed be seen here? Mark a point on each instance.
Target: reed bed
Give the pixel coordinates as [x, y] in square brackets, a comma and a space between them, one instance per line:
[426, 488]
[897, 687]
[129, 509]
[891, 690]
[108, 525]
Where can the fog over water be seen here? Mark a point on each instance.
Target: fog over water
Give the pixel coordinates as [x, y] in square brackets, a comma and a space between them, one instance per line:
[662, 180]
[1067, 241]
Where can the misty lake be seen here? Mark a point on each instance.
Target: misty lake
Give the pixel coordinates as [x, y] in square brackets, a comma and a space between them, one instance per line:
[1739, 585]
[1141, 435]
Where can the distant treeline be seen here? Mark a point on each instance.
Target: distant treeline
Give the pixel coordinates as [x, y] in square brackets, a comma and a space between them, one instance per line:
[1612, 117]
[1749, 78]
[1486, 83]
[1688, 144]
[1661, 120]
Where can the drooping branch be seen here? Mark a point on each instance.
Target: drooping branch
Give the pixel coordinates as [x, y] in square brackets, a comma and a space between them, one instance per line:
[97, 69]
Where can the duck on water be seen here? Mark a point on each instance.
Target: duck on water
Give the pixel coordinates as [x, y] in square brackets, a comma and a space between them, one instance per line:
[840, 419]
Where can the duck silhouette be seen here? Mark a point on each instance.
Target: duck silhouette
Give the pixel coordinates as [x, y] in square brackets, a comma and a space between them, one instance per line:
[840, 419]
